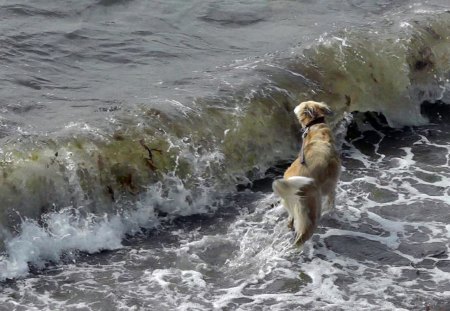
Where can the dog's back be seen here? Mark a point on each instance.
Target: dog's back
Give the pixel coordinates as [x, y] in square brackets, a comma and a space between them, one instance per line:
[321, 158]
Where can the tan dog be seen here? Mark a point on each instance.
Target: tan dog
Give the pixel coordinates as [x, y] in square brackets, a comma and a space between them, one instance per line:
[312, 175]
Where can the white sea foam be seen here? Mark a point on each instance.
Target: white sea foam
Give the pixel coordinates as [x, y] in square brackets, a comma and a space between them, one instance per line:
[63, 232]
[252, 265]
[66, 231]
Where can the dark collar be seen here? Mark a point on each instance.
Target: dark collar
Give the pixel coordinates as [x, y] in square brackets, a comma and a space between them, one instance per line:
[315, 121]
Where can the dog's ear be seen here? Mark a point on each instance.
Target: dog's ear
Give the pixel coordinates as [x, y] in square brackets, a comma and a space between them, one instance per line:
[323, 109]
[310, 111]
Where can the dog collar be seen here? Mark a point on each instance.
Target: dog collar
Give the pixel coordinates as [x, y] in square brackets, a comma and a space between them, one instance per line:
[305, 133]
[315, 121]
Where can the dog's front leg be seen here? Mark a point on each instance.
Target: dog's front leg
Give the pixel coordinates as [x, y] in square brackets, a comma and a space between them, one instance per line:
[331, 200]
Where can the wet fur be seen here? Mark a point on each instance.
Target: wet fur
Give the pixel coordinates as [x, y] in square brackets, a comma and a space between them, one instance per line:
[304, 185]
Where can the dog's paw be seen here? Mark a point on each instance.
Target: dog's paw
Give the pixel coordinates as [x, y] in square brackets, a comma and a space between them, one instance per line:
[298, 240]
[290, 223]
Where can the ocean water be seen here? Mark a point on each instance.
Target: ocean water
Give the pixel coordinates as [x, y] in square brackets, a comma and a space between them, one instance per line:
[139, 140]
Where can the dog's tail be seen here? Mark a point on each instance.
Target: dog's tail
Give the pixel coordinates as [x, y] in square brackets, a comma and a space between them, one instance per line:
[301, 198]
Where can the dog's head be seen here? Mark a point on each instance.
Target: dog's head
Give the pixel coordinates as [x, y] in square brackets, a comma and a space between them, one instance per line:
[311, 110]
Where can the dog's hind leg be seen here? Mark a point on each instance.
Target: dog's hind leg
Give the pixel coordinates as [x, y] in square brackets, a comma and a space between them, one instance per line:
[307, 214]
[282, 188]
[287, 206]
[290, 223]
[301, 199]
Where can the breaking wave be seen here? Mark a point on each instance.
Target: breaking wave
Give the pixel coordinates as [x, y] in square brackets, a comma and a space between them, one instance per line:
[84, 188]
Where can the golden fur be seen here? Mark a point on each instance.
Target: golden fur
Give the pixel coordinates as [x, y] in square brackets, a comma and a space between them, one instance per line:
[305, 184]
